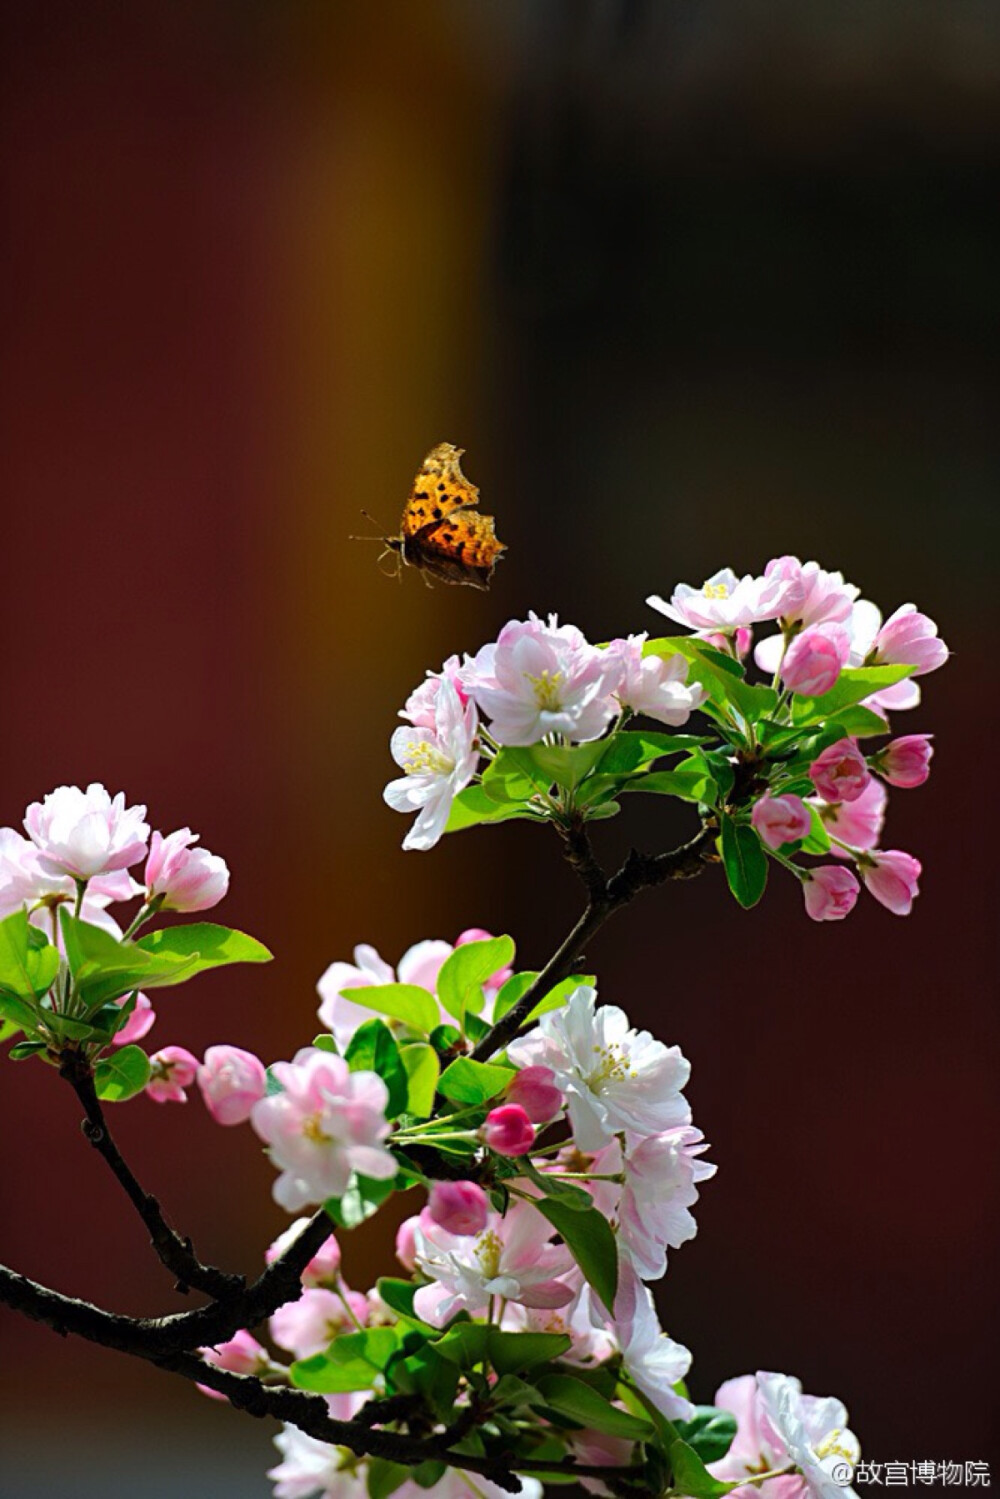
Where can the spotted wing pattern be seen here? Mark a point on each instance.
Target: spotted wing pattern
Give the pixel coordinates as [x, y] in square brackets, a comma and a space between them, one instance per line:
[439, 488]
[442, 533]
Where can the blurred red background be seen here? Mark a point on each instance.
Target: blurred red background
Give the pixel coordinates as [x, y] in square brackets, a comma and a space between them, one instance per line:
[693, 286]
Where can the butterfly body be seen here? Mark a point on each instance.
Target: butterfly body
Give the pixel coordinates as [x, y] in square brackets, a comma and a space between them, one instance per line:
[442, 533]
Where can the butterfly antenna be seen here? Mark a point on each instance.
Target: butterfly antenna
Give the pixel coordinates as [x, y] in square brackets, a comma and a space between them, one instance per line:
[380, 530]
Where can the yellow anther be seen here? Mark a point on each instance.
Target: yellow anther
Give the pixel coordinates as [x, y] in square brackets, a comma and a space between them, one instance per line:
[546, 686]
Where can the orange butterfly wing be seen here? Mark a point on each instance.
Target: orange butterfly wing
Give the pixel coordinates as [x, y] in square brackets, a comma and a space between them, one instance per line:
[442, 533]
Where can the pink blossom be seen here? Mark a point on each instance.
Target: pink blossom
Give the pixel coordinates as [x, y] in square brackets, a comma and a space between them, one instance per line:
[311, 1469]
[25, 882]
[814, 660]
[406, 1243]
[840, 773]
[534, 1088]
[906, 762]
[511, 1258]
[138, 1024]
[242, 1354]
[653, 1361]
[460, 1207]
[420, 706]
[171, 1071]
[830, 892]
[723, 603]
[508, 1130]
[857, 823]
[892, 877]
[909, 638]
[420, 965]
[86, 833]
[327, 1123]
[810, 595]
[661, 1177]
[323, 1266]
[655, 685]
[756, 1447]
[310, 1324]
[812, 1430]
[438, 761]
[231, 1082]
[591, 1344]
[546, 679]
[186, 878]
[781, 819]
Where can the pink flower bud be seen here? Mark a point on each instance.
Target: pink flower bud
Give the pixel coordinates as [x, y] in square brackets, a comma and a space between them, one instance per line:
[241, 1355]
[231, 1082]
[840, 773]
[508, 1130]
[741, 639]
[323, 1266]
[906, 762]
[460, 1207]
[406, 1243]
[188, 879]
[814, 660]
[171, 1071]
[910, 639]
[534, 1088]
[892, 876]
[781, 819]
[141, 1020]
[830, 893]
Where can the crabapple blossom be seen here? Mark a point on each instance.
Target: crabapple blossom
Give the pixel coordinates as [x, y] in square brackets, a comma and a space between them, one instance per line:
[172, 1070]
[810, 595]
[909, 638]
[459, 1207]
[757, 1447]
[138, 1024]
[830, 892]
[512, 1258]
[653, 1207]
[184, 878]
[840, 773]
[406, 1243]
[892, 877]
[534, 1088]
[781, 819]
[242, 1354]
[310, 1324]
[231, 1082]
[814, 660]
[327, 1123]
[613, 1077]
[24, 882]
[653, 1361]
[421, 703]
[323, 1266]
[591, 1343]
[508, 1130]
[439, 761]
[310, 1467]
[655, 685]
[546, 679]
[454, 1484]
[723, 603]
[857, 823]
[86, 833]
[905, 762]
[813, 1431]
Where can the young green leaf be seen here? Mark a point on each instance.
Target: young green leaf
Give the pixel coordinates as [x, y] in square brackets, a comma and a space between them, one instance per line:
[469, 1082]
[465, 971]
[853, 684]
[745, 862]
[630, 751]
[406, 1002]
[422, 1071]
[590, 1241]
[709, 1433]
[122, 1074]
[690, 1475]
[373, 1048]
[385, 1477]
[208, 945]
[475, 805]
[27, 968]
[572, 1397]
[364, 1196]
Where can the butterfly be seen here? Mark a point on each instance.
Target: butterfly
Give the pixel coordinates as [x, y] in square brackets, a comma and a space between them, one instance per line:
[441, 532]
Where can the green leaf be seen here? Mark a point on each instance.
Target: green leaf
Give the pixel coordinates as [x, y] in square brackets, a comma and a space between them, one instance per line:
[422, 1070]
[464, 1344]
[629, 750]
[709, 1433]
[373, 1048]
[475, 805]
[518, 985]
[26, 968]
[25, 1049]
[350, 1363]
[398, 1296]
[510, 1352]
[105, 968]
[8, 1028]
[745, 862]
[567, 765]
[689, 785]
[514, 1393]
[364, 1196]
[565, 1192]
[860, 723]
[209, 945]
[721, 676]
[423, 1372]
[326, 1042]
[406, 1002]
[122, 1074]
[591, 1242]
[466, 1081]
[464, 972]
[818, 841]
[17, 1013]
[853, 684]
[573, 1398]
[690, 1475]
[384, 1477]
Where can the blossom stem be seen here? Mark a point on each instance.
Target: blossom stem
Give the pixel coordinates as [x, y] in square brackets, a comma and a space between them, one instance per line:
[81, 890]
[144, 914]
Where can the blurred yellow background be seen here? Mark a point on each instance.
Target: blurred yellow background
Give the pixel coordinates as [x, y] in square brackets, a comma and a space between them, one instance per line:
[694, 286]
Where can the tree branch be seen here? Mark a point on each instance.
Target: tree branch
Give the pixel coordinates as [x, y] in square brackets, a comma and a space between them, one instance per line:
[175, 1253]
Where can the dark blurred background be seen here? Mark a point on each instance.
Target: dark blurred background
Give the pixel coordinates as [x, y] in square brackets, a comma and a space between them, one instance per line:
[694, 285]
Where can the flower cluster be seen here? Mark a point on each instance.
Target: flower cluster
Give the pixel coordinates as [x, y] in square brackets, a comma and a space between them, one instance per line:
[534, 726]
